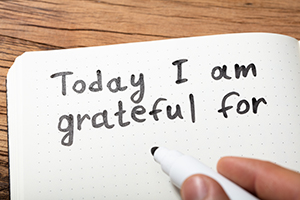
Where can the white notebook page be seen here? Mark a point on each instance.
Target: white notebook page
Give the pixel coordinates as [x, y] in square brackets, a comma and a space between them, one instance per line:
[109, 132]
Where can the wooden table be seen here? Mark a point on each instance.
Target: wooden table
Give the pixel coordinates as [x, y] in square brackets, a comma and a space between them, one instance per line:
[55, 24]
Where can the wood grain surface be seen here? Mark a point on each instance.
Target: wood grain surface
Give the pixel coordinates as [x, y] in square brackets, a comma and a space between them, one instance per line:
[56, 24]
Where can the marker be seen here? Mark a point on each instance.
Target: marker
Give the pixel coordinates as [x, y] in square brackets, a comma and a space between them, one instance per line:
[179, 167]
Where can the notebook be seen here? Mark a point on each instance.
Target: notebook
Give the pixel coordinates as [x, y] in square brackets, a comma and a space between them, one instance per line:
[82, 121]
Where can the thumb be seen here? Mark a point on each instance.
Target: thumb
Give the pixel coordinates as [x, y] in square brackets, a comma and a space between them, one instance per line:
[201, 187]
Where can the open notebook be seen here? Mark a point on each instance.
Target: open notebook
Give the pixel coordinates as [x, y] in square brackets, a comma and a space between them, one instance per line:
[82, 121]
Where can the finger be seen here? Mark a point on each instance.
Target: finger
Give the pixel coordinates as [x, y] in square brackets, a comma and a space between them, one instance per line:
[264, 179]
[201, 187]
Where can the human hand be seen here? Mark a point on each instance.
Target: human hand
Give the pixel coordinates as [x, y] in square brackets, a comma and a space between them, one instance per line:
[261, 178]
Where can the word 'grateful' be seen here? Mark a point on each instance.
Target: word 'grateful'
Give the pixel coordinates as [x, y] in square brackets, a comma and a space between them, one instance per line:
[101, 119]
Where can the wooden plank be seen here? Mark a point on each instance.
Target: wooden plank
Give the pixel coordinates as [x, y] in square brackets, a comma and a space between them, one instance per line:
[91, 23]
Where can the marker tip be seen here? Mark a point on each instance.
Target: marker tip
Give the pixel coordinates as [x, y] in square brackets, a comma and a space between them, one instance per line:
[153, 149]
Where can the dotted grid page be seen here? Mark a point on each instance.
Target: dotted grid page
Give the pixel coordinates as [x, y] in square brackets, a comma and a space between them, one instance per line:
[91, 115]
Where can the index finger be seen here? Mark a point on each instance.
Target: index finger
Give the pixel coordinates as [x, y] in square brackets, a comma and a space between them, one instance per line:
[263, 179]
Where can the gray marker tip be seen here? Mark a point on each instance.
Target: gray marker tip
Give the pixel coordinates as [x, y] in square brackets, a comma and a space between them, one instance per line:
[153, 149]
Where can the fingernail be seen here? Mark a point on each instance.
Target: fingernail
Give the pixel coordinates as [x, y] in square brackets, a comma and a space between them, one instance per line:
[195, 188]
